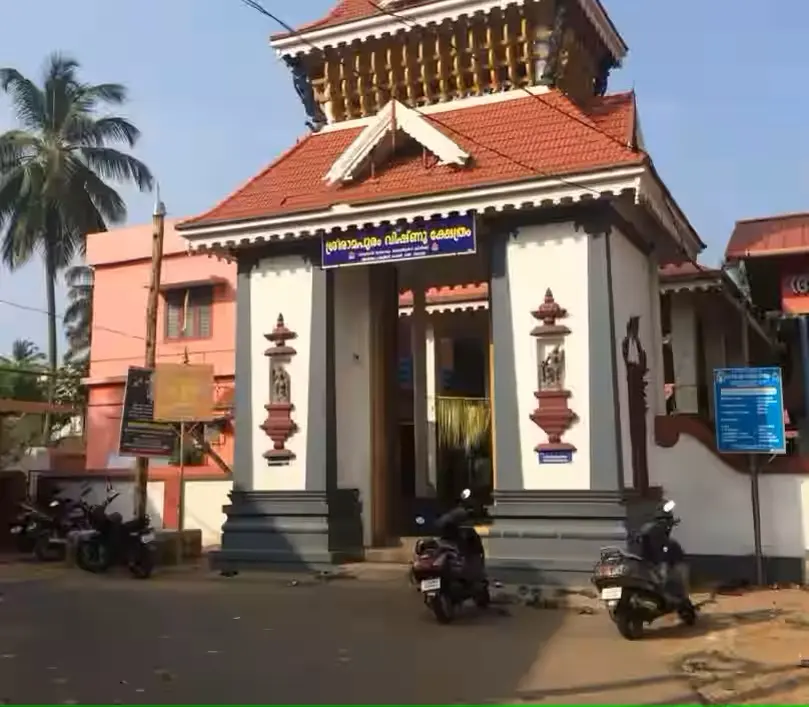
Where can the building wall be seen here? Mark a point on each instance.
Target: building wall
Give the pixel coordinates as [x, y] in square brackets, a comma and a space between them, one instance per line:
[121, 259]
[631, 277]
[202, 508]
[352, 350]
[551, 256]
[124, 503]
[122, 262]
[713, 502]
[280, 285]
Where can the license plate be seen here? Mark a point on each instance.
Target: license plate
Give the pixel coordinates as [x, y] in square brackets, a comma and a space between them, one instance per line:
[57, 541]
[431, 585]
[16, 530]
[148, 538]
[611, 593]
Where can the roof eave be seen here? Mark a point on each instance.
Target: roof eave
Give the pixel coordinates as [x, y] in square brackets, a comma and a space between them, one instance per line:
[515, 194]
[322, 34]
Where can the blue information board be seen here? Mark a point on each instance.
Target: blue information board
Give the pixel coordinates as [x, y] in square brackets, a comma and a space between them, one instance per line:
[749, 411]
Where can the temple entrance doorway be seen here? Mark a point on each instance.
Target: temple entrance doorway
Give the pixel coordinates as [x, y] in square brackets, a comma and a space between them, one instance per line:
[437, 406]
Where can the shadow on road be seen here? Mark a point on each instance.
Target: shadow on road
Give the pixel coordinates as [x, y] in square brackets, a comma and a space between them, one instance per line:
[212, 642]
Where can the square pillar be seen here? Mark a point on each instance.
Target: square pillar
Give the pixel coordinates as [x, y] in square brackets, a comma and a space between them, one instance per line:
[432, 392]
[243, 390]
[684, 351]
[418, 349]
[556, 289]
[291, 515]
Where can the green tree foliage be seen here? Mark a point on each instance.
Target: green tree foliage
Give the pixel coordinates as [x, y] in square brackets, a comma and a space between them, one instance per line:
[56, 169]
[78, 316]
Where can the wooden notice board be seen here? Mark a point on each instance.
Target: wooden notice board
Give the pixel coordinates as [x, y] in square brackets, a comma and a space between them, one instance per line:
[183, 392]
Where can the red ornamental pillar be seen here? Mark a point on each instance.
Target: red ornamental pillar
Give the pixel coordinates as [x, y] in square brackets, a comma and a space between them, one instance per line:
[279, 425]
[553, 414]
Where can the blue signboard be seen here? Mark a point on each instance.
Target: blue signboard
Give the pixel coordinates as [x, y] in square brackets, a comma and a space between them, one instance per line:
[430, 238]
[749, 411]
[555, 456]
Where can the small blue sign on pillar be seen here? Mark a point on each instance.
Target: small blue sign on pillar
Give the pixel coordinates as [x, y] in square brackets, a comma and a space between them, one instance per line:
[555, 456]
[749, 410]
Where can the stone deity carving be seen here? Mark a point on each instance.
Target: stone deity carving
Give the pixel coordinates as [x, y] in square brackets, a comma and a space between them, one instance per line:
[280, 385]
[552, 369]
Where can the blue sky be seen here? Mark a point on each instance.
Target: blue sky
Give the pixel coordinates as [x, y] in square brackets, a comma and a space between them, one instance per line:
[721, 92]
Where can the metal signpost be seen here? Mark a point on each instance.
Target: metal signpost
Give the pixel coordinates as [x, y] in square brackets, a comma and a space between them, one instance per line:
[749, 412]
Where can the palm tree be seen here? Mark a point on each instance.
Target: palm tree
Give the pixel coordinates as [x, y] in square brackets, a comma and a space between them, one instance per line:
[78, 316]
[55, 169]
[18, 379]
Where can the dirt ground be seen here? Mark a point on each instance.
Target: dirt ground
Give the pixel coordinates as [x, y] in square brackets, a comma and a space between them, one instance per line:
[748, 648]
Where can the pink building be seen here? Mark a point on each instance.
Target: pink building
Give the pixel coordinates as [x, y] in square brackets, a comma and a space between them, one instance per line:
[196, 315]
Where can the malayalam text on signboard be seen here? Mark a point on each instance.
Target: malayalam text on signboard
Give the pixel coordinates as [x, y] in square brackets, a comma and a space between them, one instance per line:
[430, 238]
[140, 434]
[749, 411]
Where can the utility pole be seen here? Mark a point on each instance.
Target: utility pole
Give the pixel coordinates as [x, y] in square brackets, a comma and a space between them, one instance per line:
[158, 228]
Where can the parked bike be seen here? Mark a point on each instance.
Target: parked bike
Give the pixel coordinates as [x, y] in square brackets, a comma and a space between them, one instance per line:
[451, 568]
[44, 531]
[640, 587]
[113, 541]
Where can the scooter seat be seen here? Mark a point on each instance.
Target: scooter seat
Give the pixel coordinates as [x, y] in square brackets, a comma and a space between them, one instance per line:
[620, 552]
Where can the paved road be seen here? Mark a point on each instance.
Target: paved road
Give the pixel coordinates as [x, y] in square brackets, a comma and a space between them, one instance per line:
[67, 637]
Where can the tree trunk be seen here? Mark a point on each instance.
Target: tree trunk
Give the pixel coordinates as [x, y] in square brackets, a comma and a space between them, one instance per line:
[53, 353]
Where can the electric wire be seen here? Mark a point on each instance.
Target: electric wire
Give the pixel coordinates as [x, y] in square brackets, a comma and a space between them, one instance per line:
[431, 117]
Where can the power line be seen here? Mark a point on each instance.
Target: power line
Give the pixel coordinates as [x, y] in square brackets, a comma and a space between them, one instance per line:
[258, 7]
[535, 96]
[430, 117]
[61, 317]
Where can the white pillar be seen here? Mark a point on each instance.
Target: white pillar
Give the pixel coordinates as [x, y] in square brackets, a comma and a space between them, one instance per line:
[657, 376]
[713, 334]
[432, 441]
[418, 348]
[684, 349]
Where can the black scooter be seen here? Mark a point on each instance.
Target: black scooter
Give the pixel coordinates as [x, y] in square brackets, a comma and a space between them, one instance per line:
[113, 541]
[451, 568]
[44, 531]
[638, 588]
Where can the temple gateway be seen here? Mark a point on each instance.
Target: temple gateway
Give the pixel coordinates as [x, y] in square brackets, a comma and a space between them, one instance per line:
[451, 145]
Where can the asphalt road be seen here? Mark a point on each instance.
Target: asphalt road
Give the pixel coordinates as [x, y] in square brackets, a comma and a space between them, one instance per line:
[75, 638]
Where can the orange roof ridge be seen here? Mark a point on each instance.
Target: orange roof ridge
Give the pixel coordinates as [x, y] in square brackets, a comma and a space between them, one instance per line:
[552, 142]
[774, 217]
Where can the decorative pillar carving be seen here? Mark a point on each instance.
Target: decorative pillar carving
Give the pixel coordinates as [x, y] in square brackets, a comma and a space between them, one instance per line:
[279, 426]
[553, 415]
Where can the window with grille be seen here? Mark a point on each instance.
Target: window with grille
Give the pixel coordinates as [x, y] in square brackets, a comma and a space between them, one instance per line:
[188, 313]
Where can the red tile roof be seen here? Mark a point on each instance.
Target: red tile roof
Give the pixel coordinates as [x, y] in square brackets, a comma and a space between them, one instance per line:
[480, 290]
[769, 236]
[509, 141]
[344, 11]
[686, 271]
[448, 293]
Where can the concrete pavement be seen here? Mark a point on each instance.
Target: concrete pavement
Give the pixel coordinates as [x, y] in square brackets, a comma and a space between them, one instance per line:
[69, 637]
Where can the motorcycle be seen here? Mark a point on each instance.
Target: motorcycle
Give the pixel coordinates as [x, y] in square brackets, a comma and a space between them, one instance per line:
[44, 532]
[640, 587]
[451, 568]
[113, 541]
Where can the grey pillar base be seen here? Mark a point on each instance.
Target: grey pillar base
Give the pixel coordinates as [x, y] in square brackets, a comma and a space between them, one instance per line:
[289, 530]
[553, 538]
